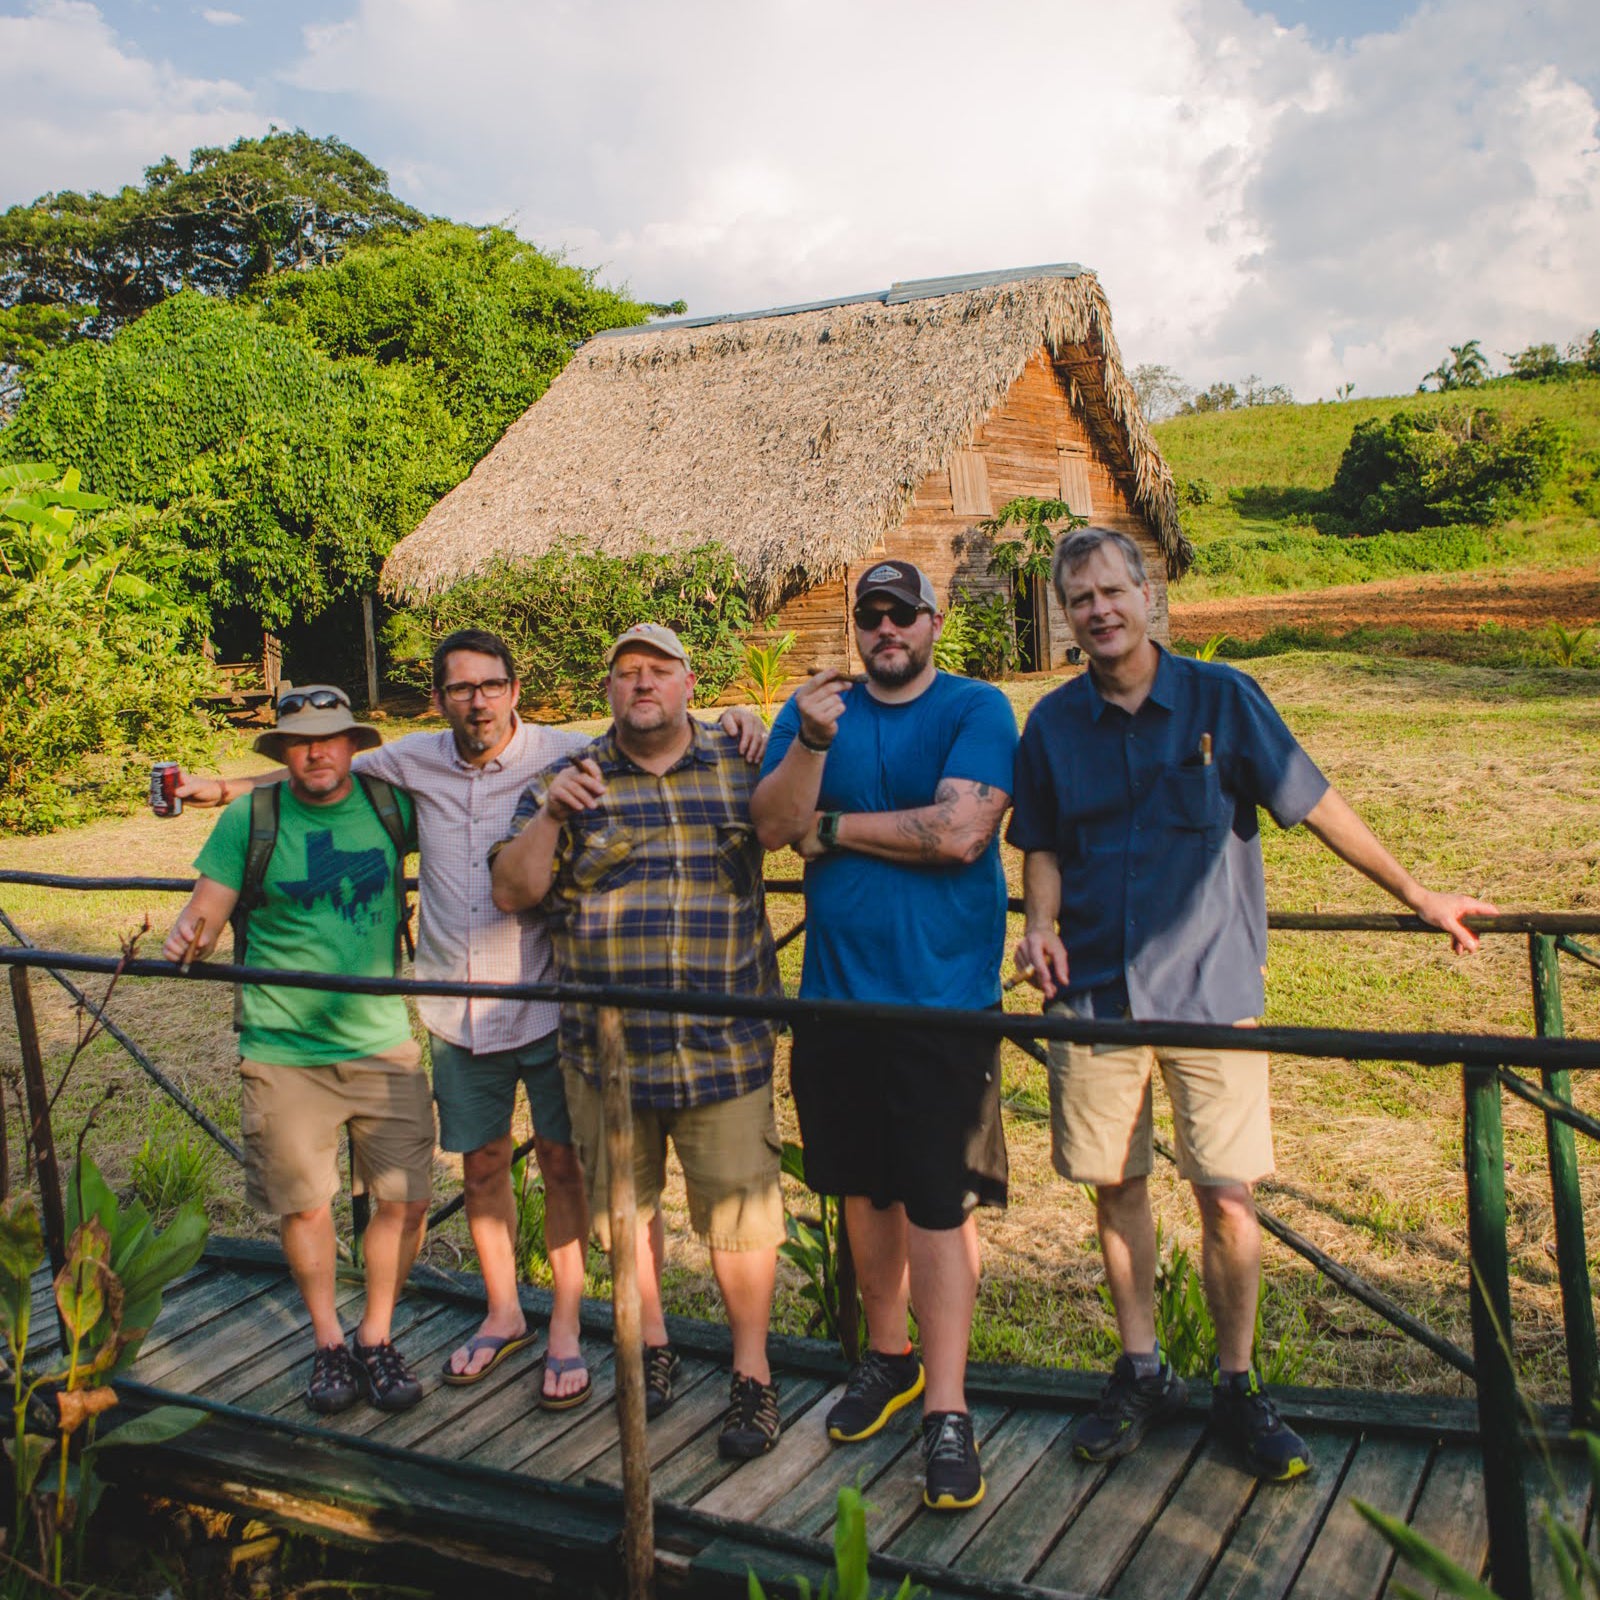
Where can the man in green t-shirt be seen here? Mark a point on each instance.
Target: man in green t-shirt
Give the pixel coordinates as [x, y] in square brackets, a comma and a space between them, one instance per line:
[315, 1061]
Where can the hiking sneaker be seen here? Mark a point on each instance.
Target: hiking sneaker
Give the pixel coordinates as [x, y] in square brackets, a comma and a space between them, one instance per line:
[660, 1372]
[335, 1384]
[1242, 1412]
[878, 1387]
[750, 1424]
[390, 1384]
[953, 1480]
[1129, 1407]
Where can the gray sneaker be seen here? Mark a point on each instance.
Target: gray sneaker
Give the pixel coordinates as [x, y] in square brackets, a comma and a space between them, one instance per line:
[1129, 1407]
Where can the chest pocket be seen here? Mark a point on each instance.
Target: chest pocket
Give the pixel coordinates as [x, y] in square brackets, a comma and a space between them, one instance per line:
[604, 859]
[1191, 802]
[738, 858]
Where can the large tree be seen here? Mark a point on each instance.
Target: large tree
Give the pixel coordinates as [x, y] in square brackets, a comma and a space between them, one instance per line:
[291, 474]
[230, 218]
[487, 316]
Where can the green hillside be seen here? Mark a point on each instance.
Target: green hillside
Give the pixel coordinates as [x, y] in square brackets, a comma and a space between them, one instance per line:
[1252, 487]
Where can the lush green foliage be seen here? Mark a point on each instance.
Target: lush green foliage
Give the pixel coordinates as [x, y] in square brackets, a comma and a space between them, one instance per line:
[849, 1579]
[1466, 367]
[764, 673]
[95, 679]
[561, 611]
[488, 319]
[1429, 469]
[228, 219]
[291, 475]
[1539, 362]
[1252, 486]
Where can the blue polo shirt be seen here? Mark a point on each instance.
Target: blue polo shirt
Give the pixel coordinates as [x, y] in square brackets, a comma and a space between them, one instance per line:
[1163, 896]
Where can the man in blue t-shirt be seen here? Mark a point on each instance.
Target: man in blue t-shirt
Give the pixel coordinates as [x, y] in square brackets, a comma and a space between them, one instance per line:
[892, 790]
[1136, 793]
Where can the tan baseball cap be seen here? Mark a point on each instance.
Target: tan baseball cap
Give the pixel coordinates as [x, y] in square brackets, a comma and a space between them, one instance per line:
[650, 636]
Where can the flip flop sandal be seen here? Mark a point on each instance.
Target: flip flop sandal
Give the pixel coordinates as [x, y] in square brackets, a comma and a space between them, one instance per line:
[558, 1366]
[503, 1349]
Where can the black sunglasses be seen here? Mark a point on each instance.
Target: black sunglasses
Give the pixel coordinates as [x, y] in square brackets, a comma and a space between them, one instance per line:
[900, 612]
[317, 699]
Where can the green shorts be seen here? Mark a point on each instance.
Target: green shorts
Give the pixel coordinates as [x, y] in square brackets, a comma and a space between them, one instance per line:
[477, 1094]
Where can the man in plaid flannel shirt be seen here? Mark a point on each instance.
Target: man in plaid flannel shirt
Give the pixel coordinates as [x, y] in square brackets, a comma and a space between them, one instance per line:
[639, 852]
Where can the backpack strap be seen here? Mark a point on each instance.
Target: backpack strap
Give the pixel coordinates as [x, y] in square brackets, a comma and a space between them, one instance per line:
[383, 800]
[264, 804]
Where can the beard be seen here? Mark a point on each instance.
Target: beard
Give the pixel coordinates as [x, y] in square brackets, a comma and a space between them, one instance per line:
[891, 672]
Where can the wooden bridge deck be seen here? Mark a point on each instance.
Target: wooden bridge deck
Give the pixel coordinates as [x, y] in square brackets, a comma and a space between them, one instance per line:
[481, 1474]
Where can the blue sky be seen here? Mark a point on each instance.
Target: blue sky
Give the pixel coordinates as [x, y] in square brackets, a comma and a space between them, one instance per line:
[1317, 193]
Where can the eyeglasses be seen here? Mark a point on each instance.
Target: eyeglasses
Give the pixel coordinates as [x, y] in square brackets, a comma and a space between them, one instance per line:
[317, 699]
[902, 614]
[490, 688]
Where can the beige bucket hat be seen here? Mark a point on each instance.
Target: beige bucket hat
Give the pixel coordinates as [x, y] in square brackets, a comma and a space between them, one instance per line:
[308, 710]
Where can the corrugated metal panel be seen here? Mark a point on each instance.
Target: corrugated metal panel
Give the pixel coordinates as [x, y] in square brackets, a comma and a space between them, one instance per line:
[899, 294]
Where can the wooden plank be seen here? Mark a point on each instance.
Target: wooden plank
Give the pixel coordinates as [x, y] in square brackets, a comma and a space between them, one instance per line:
[518, 1447]
[1264, 1555]
[1019, 1534]
[1451, 1513]
[810, 1505]
[969, 485]
[756, 1484]
[1564, 1490]
[1109, 1528]
[1185, 1540]
[698, 1408]
[192, 1364]
[1348, 1559]
[1074, 466]
[237, 1383]
[191, 1316]
[1008, 1456]
[897, 1495]
[691, 1473]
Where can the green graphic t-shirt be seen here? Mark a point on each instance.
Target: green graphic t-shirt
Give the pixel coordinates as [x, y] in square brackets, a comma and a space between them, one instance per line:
[330, 907]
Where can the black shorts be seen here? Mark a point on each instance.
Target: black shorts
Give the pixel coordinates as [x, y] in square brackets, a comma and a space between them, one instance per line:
[907, 1116]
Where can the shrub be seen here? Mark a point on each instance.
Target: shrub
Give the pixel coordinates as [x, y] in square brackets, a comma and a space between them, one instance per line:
[560, 612]
[1423, 469]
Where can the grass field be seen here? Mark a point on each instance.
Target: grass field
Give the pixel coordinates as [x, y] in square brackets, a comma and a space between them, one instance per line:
[1248, 483]
[1481, 780]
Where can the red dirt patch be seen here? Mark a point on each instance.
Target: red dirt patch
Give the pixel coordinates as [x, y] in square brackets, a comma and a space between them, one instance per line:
[1444, 602]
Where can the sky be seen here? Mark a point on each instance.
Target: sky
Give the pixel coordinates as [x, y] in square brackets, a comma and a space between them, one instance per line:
[1315, 192]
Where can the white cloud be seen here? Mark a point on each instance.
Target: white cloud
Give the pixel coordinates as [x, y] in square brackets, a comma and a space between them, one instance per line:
[84, 110]
[222, 19]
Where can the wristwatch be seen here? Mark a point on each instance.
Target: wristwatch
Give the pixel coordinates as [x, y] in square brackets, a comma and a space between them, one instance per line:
[828, 830]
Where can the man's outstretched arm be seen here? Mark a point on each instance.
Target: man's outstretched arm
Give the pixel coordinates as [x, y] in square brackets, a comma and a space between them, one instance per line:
[1336, 824]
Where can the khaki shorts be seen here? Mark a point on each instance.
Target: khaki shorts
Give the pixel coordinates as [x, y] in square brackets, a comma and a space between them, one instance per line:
[291, 1116]
[1100, 1112]
[729, 1151]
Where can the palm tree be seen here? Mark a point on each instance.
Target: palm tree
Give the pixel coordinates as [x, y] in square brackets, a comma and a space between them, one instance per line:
[1468, 365]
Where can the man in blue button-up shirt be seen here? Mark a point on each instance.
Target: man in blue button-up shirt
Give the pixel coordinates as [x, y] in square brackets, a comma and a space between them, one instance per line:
[1136, 794]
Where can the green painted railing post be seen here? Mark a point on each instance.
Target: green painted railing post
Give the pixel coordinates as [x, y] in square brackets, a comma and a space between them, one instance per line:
[1566, 1199]
[1499, 1419]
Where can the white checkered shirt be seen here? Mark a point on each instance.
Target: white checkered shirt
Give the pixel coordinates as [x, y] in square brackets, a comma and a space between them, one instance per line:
[462, 811]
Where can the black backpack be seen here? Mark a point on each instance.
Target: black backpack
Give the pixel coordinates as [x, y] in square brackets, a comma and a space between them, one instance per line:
[265, 801]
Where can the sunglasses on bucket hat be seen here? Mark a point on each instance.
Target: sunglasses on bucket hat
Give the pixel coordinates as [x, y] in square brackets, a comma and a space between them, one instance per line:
[314, 699]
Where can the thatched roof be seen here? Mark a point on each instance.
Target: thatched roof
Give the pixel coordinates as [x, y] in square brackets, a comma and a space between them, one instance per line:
[794, 437]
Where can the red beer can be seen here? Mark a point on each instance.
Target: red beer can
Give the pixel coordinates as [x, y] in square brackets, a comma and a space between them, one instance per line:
[165, 800]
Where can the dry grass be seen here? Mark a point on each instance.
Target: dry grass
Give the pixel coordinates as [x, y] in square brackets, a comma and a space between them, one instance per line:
[1479, 780]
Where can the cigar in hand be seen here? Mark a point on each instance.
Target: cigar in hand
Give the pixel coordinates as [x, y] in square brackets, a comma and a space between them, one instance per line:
[1020, 976]
[193, 944]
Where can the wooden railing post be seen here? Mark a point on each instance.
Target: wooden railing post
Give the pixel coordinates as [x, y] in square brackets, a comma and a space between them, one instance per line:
[638, 1533]
[1499, 1415]
[41, 1138]
[1566, 1198]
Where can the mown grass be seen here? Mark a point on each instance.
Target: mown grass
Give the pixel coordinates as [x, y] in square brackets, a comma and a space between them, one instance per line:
[1250, 484]
[1480, 779]
[1488, 645]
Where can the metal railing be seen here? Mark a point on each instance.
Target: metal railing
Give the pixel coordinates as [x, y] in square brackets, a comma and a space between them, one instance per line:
[1491, 1066]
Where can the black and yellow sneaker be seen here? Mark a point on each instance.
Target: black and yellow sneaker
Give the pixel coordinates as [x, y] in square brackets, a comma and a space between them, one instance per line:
[953, 1480]
[1129, 1407]
[1242, 1412]
[879, 1386]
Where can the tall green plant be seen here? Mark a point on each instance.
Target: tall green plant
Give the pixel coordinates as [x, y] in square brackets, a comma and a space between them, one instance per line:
[764, 673]
[560, 612]
[849, 1579]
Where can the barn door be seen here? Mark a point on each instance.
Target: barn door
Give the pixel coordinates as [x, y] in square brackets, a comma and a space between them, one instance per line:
[1030, 607]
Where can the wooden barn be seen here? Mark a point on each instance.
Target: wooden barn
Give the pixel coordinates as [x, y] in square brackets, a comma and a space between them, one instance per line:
[813, 440]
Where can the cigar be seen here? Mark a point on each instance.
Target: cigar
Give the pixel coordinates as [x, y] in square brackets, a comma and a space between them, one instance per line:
[1020, 976]
[194, 944]
[1205, 749]
[848, 677]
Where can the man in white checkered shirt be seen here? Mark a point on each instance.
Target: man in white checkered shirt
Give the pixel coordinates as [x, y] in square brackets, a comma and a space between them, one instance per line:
[466, 783]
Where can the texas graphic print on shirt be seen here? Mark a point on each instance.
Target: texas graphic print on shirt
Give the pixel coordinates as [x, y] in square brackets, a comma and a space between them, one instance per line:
[354, 881]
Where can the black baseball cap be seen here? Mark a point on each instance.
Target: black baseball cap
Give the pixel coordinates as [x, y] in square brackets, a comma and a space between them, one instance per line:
[899, 579]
